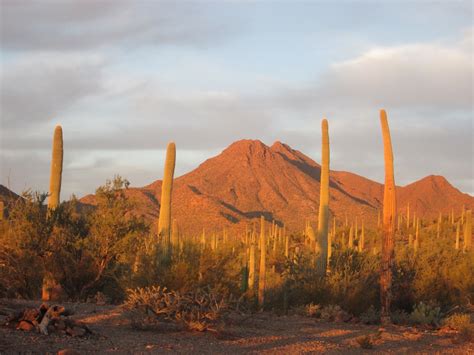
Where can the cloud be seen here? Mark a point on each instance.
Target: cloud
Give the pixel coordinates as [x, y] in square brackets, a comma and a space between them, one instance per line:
[74, 25]
[39, 88]
[422, 75]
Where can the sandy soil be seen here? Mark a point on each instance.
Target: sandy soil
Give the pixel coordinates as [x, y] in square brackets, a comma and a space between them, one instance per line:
[261, 333]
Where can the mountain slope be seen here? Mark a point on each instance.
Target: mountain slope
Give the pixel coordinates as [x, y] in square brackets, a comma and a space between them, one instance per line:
[249, 179]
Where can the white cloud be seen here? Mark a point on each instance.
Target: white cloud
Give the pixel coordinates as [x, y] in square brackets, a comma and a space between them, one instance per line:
[422, 75]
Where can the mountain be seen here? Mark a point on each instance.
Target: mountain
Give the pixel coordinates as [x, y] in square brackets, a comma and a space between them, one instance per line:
[249, 179]
[6, 195]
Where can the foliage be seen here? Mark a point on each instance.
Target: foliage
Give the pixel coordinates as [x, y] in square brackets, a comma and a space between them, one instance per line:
[426, 314]
[370, 316]
[457, 321]
[313, 310]
[86, 251]
[199, 310]
[334, 313]
[365, 342]
[106, 248]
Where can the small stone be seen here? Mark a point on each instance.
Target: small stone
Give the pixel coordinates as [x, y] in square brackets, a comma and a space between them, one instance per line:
[68, 352]
[60, 324]
[26, 326]
[76, 331]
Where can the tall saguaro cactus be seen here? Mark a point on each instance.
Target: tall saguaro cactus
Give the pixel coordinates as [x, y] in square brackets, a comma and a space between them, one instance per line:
[389, 217]
[468, 231]
[56, 169]
[263, 265]
[323, 218]
[164, 222]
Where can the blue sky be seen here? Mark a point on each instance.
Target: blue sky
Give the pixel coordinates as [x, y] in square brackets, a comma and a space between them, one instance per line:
[123, 78]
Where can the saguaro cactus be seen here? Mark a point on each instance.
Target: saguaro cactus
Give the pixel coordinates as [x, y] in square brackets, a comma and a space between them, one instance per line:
[2, 208]
[252, 269]
[164, 222]
[351, 237]
[408, 216]
[468, 231]
[263, 266]
[416, 244]
[389, 217]
[323, 218]
[56, 169]
[458, 232]
[361, 244]
[174, 234]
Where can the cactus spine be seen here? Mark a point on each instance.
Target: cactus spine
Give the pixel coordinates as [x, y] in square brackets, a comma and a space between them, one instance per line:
[262, 271]
[164, 221]
[323, 218]
[468, 231]
[56, 169]
[389, 217]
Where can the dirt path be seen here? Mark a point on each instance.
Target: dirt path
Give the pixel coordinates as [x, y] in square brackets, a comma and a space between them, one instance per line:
[262, 333]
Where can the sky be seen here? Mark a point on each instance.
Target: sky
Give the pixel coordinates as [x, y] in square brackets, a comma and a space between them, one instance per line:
[124, 78]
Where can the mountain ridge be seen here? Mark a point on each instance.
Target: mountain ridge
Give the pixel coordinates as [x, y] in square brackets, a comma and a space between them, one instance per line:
[248, 179]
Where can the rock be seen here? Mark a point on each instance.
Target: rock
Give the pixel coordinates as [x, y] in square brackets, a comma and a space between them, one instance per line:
[76, 331]
[60, 324]
[30, 314]
[26, 326]
[68, 352]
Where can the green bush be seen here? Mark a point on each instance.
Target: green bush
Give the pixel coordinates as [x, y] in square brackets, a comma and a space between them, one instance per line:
[426, 314]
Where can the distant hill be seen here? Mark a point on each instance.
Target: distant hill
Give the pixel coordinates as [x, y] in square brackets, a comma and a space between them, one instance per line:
[249, 179]
[6, 195]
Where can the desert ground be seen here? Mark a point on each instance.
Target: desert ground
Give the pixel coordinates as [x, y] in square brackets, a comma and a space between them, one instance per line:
[257, 333]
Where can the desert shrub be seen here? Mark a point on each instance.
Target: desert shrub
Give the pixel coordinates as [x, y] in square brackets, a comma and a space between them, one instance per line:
[426, 314]
[442, 273]
[199, 310]
[353, 282]
[400, 317]
[332, 313]
[365, 342]
[313, 310]
[370, 316]
[85, 251]
[24, 241]
[457, 321]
